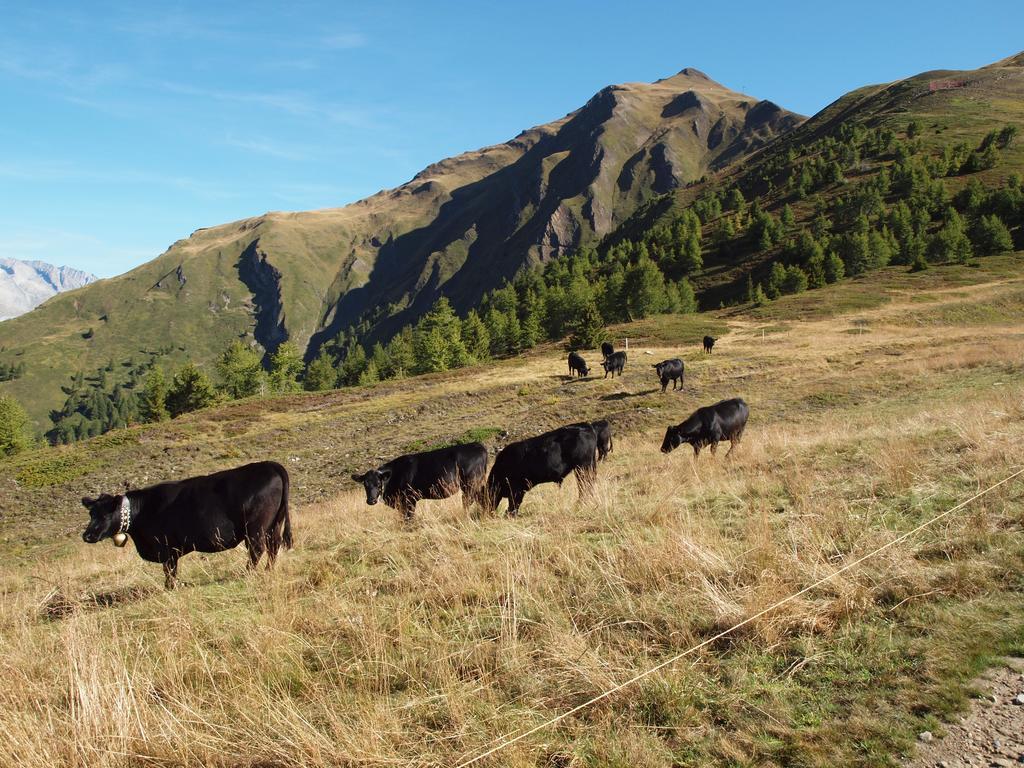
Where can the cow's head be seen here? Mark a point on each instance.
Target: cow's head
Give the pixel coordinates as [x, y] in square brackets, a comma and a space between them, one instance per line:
[657, 368]
[674, 437]
[585, 370]
[374, 482]
[104, 517]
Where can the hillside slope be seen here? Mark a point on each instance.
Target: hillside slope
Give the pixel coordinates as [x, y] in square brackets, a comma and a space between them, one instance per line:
[951, 109]
[460, 226]
[875, 404]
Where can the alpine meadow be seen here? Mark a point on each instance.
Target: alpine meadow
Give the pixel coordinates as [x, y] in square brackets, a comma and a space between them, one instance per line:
[824, 596]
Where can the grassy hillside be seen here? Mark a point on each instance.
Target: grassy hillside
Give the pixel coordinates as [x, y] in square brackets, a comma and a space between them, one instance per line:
[865, 134]
[459, 227]
[875, 403]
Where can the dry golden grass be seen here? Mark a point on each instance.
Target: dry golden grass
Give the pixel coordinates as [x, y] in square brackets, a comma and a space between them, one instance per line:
[378, 643]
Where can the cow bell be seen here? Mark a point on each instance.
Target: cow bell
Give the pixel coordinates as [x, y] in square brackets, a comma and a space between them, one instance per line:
[120, 539]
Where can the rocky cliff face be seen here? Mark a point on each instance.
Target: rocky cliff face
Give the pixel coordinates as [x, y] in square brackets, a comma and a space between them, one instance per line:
[27, 284]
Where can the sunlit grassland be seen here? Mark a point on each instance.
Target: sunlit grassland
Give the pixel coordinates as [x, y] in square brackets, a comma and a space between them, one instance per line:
[378, 643]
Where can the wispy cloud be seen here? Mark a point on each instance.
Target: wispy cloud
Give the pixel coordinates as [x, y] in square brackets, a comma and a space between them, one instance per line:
[293, 103]
[344, 41]
[265, 146]
[48, 171]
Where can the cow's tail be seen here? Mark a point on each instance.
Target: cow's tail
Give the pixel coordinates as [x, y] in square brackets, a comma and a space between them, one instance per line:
[282, 511]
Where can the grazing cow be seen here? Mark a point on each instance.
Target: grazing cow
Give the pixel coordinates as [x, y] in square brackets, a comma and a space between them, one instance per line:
[709, 342]
[604, 438]
[614, 363]
[200, 514]
[606, 349]
[603, 430]
[435, 474]
[546, 458]
[708, 426]
[577, 365]
[670, 370]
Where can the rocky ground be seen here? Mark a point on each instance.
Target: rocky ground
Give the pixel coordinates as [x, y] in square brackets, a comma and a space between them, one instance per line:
[990, 734]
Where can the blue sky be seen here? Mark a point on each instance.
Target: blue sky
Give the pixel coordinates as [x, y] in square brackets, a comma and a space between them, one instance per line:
[126, 126]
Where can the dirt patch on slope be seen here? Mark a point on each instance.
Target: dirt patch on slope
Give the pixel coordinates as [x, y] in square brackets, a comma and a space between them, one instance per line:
[990, 734]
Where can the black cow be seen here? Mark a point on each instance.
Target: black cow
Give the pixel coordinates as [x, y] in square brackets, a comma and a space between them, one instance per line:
[708, 426]
[614, 363]
[200, 514]
[577, 365]
[546, 458]
[709, 342]
[604, 436]
[435, 474]
[606, 349]
[670, 370]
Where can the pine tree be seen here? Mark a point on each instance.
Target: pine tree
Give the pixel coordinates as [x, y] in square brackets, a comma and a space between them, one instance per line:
[532, 325]
[990, 236]
[735, 201]
[687, 297]
[240, 371]
[370, 374]
[353, 364]
[788, 218]
[285, 368]
[401, 356]
[950, 243]
[14, 427]
[153, 403]
[190, 390]
[588, 330]
[795, 280]
[320, 373]
[645, 289]
[773, 285]
[437, 339]
[834, 269]
[476, 337]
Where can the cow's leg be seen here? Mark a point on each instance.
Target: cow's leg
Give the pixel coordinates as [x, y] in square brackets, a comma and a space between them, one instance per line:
[406, 507]
[170, 571]
[585, 477]
[733, 442]
[256, 543]
[515, 500]
[664, 385]
[714, 447]
[696, 450]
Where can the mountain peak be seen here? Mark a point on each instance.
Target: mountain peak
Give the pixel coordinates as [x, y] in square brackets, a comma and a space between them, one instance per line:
[689, 76]
[26, 284]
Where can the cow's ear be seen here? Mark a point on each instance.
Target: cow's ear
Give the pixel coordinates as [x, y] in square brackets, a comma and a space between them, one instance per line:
[87, 502]
[358, 478]
[384, 474]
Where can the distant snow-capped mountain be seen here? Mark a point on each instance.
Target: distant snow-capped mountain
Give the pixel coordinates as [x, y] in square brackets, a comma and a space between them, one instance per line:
[26, 284]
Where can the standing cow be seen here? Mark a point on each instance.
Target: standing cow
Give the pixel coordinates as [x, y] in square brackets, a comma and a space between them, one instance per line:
[614, 363]
[708, 426]
[709, 342]
[435, 474]
[577, 365]
[546, 458]
[670, 370]
[603, 430]
[201, 514]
